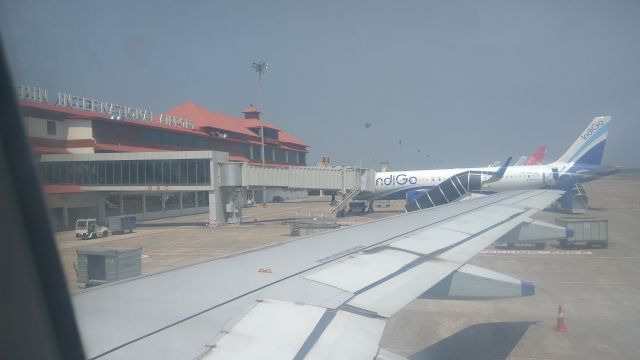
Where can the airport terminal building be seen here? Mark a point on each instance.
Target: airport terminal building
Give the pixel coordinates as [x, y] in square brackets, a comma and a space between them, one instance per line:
[81, 143]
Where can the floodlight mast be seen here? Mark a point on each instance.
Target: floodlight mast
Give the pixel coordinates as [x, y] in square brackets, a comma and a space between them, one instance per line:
[261, 67]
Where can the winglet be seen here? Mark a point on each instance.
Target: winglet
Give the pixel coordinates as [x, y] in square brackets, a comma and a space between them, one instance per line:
[500, 173]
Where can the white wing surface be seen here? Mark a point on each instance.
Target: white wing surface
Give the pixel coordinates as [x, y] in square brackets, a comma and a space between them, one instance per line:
[326, 296]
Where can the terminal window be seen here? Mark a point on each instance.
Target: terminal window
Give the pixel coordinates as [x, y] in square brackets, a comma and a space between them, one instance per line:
[128, 172]
[51, 127]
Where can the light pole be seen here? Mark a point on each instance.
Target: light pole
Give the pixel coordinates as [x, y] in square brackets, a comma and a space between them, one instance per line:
[400, 157]
[261, 67]
[367, 125]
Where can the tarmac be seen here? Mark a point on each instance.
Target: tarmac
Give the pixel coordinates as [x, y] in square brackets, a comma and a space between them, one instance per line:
[174, 242]
[598, 288]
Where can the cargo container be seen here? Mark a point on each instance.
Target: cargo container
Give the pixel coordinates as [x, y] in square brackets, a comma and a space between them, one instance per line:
[589, 231]
[102, 265]
[120, 224]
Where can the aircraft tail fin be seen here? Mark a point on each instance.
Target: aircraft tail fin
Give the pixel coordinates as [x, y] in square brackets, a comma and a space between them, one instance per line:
[588, 149]
[537, 156]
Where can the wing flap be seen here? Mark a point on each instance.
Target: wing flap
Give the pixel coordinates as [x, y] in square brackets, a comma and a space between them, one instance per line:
[535, 199]
[273, 329]
[348, 336]
[430, 240]
[469, 224]
[501, 212]
[465, 251]
[362, 270]
[481, 220]
[389, 297]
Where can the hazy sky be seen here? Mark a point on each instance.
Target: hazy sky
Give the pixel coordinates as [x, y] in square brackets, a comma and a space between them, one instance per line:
[467, 82]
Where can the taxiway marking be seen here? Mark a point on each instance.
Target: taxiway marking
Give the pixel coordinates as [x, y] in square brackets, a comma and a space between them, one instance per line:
[536, 252]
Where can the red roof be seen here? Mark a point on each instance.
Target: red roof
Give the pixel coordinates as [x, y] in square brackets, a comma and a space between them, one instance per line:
[286, 137]
[204, 118]
[62, 189]
[250, 109]
[256, 123]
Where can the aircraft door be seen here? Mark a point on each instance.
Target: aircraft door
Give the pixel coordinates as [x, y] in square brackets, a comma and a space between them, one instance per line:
[475, 182]
[556, 176]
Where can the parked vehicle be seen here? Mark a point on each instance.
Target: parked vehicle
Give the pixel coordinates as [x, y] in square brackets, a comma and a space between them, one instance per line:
[89, 229]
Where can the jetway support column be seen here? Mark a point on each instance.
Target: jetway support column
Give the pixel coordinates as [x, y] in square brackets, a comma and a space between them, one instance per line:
[65, 217]
[102, 211]
[233, 199]
[216, 212]
[216, 215]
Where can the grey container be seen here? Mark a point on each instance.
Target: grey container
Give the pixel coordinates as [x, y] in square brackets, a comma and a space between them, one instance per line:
[120, 224]
[102, 265]
[313, 223]
[590, 231]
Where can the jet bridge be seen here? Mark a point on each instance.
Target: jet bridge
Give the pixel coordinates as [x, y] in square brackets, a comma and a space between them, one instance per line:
[185, 182]
[448, 191]
[455, 188]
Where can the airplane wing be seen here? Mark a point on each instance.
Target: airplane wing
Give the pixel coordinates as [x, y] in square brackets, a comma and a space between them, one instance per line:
[322, 296]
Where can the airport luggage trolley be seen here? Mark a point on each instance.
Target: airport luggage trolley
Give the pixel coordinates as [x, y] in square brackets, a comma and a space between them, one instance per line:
[589, 231]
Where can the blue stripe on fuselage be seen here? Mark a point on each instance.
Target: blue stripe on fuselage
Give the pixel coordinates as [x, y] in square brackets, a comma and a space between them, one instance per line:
[395, 194]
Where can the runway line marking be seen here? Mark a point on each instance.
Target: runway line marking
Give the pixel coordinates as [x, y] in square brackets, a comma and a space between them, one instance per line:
[536, 252]
[595, 283]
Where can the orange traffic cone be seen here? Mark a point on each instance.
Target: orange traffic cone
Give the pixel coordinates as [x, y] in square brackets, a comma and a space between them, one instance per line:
[560, 325]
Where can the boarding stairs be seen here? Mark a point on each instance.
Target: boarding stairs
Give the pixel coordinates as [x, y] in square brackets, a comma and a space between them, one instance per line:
[344, 202]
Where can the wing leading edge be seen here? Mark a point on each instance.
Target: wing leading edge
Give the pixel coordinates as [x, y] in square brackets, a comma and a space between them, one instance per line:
[318, 305]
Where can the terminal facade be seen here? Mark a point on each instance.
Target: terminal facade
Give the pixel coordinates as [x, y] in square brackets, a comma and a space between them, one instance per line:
[95, 157]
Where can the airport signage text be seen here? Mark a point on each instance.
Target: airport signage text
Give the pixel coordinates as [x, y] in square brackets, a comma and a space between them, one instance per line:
[177, 121]
[109, 108]
[113, 110]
